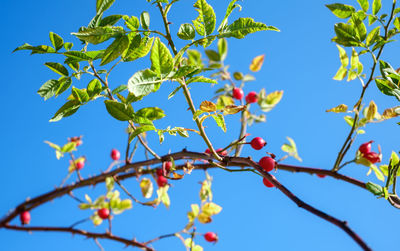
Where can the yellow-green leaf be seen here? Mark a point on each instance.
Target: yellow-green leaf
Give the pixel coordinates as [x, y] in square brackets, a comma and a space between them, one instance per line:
[372, 111]
[208, 106]
[147, 187]
[338, 109]
[257, 63]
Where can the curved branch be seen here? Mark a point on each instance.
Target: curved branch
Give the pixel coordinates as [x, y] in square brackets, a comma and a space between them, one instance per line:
[233, 161]
[92, 235]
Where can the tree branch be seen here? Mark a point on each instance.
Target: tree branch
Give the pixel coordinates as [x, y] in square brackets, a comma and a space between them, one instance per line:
[233, 161]
[92, 235]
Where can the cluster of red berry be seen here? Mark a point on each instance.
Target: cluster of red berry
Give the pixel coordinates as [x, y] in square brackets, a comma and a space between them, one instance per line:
[161, 172]
[238, 94]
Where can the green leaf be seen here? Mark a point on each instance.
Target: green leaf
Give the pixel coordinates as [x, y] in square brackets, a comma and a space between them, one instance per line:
[110, 20]
[56, 41]
[378, 173]
[64, 84]
[139, 130]
[80, 95]
[57, 68]
[344, 59]
[201, 79]
[244, 26]
[364, 4]
[115, 49]
[125, 204]
[41, 49]
[119, 89]
[205, 22]
[394, 158]
[185, 70]
[103, 5]
[220, 120]
[354, 59]
[340, 74]
[143, 83]
[99, 34]
[376, 6]
[66, 110]
[346, 33]
[110, 183]
[94, 88]
[373, 35]
[145, 20]
[213, 55]
[48, 89]
[77, 55]
[161, 59]
[69, 147]
[222, 48]
[95, 22]
[360, 28]
[186, 32]
[151, 113]
[341, 10]
[291, 149]
[396, 23]
[139, 50]
[132, 22]
[232, 5]
[374, 188]
[119, 111]
[25, 46]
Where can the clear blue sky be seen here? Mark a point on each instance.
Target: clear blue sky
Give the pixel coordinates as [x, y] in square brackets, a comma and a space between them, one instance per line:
[300, 60]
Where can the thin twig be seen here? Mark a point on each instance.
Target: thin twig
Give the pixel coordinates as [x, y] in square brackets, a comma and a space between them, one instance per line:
[98, 244]
[129, 194]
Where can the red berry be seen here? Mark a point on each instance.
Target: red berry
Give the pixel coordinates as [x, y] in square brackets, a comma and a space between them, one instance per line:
[257, 143]
[162, 181]
[115, 155]
[80, 164]
[77, 140]
[211, 237]
[159, 172]
[237, 93]
[267, 163]
[267, 183]
[103, 213]
[207, 151]
[167, 166]
[220, 152]
[25, 217]
[372, 157]
[251, 97]
[366, 147]
[321, 175]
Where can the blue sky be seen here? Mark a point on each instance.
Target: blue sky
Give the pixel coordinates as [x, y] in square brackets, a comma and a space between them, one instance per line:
[301, 60]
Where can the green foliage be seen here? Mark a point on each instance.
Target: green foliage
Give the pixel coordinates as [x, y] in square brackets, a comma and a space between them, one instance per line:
[242, 27]
[186, 32]
[161, 59]
[99, 34]
[205, 22]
